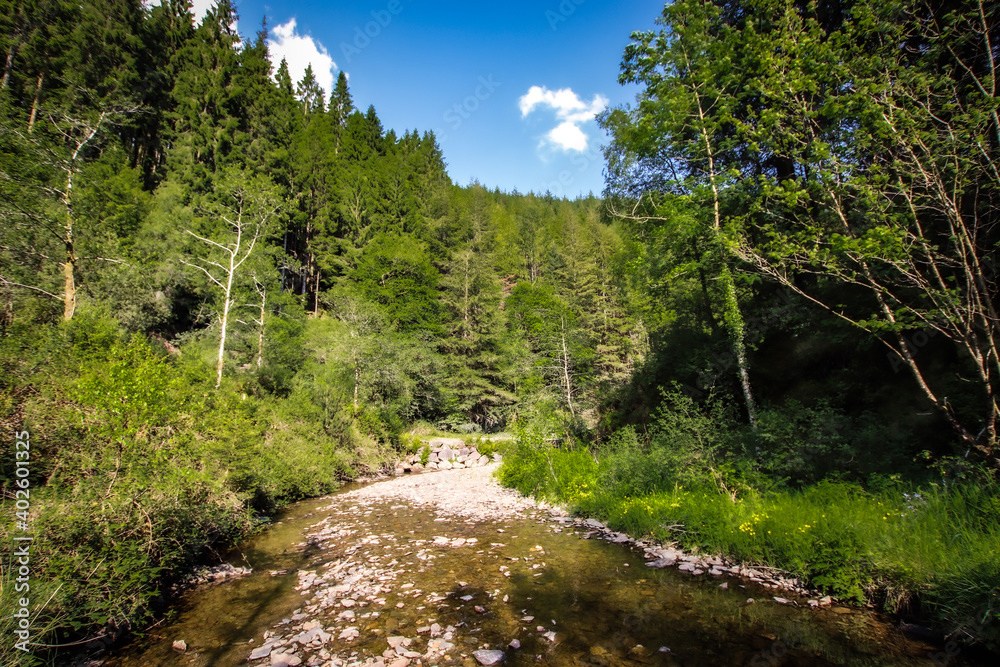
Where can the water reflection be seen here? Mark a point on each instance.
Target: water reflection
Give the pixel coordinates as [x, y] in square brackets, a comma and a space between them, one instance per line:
[565, 599]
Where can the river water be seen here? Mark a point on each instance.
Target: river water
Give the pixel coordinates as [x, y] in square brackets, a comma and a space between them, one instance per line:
[390, 570]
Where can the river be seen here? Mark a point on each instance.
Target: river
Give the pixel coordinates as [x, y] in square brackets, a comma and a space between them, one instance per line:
[390, 574]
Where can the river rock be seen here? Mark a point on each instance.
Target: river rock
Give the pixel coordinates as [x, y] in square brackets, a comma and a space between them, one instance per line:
[599, 656]
[180, 646]
[488, 657]
[260, 652]
[445, 465]
[446, 453]
[285, 660]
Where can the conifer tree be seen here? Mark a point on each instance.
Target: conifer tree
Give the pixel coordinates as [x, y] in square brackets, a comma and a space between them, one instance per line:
[310, 93]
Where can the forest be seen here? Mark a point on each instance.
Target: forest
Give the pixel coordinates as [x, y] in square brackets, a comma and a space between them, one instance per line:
[774, 336]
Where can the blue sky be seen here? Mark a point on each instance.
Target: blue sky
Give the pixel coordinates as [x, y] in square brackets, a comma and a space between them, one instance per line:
[510, 88]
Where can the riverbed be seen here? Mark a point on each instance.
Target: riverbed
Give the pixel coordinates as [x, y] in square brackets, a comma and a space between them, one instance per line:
[447, 568]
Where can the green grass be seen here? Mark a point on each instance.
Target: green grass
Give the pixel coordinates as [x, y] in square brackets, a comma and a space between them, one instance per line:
[939, 551]
[142, 469]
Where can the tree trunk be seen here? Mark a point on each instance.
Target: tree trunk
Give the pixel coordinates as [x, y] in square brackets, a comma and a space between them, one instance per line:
[733, 315]
[36, 102]
[225, 320]
[565, 359]
[69, 273]
[357, 381]
[312, 261]
[9, 63]
[260, 335]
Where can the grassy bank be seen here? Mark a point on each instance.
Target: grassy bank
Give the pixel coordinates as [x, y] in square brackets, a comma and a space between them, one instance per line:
[140, 469]
[930, 552]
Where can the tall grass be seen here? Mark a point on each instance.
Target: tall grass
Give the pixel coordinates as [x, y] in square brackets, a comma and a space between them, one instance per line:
[932, 550]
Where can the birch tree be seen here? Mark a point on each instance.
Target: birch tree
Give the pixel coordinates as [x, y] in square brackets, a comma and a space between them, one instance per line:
[241, 218]
[891, 124]
[677, 141]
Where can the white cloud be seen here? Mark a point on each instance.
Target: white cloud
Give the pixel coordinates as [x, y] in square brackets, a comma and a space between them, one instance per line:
[200, 7]
[570, 110]
[568, 136]
[300, 51]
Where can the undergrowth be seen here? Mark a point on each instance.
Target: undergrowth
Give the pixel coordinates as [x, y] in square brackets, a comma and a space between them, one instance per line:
[930, 550]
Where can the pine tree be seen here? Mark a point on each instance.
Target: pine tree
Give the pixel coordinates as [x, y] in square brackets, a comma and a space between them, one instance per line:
[310, 93]
[341, 105]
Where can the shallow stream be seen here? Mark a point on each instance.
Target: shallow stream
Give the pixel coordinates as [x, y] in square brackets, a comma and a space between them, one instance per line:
[378, 572]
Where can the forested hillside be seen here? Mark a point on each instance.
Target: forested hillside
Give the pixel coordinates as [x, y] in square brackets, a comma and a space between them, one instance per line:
[222, 290]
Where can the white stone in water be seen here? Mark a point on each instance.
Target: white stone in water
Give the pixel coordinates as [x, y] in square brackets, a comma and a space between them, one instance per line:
[285, 660]
[488, 657]
[259, 653]
[514, 644]
[180, 646]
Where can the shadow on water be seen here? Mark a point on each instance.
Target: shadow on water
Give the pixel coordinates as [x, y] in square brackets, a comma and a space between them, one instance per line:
[566, 599]
[221, 617]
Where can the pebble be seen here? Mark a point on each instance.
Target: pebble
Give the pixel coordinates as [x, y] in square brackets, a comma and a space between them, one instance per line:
[285, 660]
[368, 568]
[488, 657]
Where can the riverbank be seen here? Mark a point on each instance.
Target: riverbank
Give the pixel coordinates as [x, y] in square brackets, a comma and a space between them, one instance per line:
[449, 568]
[932, 557]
